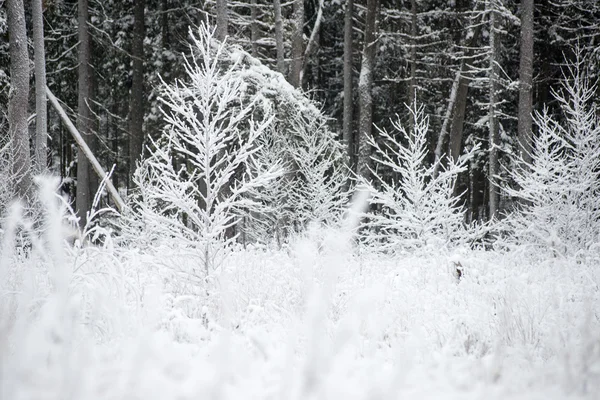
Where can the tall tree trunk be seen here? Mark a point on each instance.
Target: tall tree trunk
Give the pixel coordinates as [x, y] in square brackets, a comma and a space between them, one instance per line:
[413, 54]
[164, 24]
[493, 122]
[458, 113]
[279, 37]
[85, 177]
[254, 27]
[136, 104]
[222, 20]
[455, 113]
[18, 101]
[295, 75]
[41, 107]
[365, 84]
[348, 98]
[526, 80]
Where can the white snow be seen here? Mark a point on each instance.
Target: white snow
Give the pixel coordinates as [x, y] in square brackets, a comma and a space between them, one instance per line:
[307, 322]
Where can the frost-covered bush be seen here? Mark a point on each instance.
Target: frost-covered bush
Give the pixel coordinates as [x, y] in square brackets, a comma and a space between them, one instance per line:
[319, 194]
[312, 186]
[420, 208]
[559, 191]
[195, 181]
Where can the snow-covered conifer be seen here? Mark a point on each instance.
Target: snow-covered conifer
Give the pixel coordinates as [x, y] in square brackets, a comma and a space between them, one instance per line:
[559, 190]
[319, 195]
[201, 168]
[420, 209]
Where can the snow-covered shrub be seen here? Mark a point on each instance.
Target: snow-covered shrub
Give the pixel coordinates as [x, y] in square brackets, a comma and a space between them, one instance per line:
[319, 194]
[558, 193]
[271, 222]
[312, 186]
[195, 180]
[420, 208]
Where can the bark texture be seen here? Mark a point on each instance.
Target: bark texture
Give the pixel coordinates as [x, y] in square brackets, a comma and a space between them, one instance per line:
[136, 104]
[254, 27]
[525, 121]
[365, 85]
[222, 20]
[297, 64]
[413, 54]
[85, 179]
[493, 121]
[41, 106]
[18, 101]
[457, 103]
[279, 37]
[348, 86]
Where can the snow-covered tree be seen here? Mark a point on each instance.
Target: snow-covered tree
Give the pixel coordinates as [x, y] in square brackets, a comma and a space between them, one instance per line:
[269, 223]
[199, 172]
[319, 195]
[559, 190]
[420, 209]
[312, 186]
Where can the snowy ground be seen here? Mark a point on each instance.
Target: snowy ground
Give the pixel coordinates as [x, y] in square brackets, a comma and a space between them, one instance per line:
[301, 323]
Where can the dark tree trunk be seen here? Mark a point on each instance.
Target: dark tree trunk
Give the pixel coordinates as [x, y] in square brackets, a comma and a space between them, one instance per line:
[297, 64]
[457, 104]
[413, 54]
[460, 106]
[279, 37]
[136, 104]
[254, 27]
[365, 84]
[348, 97]
[493, 121]
[526, 80]
[41, 107]
[18, 101]
[85, 175]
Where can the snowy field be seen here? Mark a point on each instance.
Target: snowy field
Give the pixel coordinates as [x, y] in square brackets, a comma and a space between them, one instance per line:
[305, 322]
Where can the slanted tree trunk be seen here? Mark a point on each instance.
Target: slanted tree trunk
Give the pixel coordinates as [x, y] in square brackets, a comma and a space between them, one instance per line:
[458, 113]
[297, 64]
[348, 98]
[493, 122]
[279, 37]
[526, 80]
[222, 20]
[136, 103]
[365, 84]
[455, 113]
[85, 179]
[17, 102]
[312, 44]
[41, 107]
[454, 118]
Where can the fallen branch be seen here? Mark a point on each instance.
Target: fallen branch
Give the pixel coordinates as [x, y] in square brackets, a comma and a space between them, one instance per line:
[88, 153]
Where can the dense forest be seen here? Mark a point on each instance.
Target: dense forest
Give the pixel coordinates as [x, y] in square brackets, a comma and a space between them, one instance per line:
[479, 68]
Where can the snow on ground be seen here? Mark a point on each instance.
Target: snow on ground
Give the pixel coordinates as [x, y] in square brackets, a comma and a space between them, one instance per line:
[305, 322]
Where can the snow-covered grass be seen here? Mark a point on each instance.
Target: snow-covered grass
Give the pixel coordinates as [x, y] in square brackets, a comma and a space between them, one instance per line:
[315, 320]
